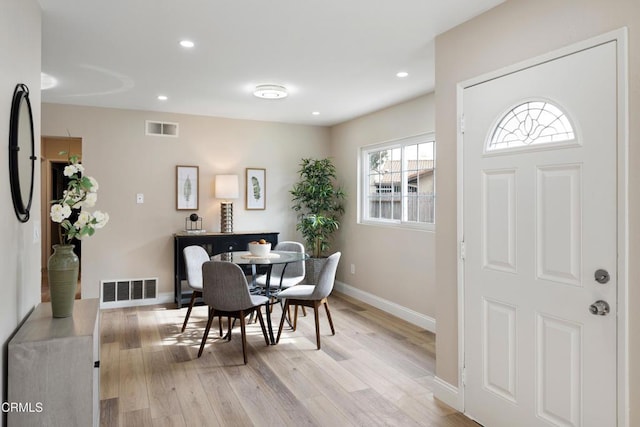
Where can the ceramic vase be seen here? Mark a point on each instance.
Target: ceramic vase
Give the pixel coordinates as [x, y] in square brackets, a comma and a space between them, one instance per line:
[63, 279]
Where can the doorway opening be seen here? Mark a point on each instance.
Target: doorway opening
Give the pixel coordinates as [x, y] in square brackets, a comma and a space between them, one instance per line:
[54, 156]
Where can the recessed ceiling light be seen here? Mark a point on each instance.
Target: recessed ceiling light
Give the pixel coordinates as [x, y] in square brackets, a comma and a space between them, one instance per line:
[270, 91]
[316, 113]
[187, 43]
[402, 74]
[47, 81]
[163, 97]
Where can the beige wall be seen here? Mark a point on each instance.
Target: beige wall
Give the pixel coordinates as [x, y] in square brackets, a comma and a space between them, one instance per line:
[512, 32]
[138, 241]
[19, 253]
[394, 264]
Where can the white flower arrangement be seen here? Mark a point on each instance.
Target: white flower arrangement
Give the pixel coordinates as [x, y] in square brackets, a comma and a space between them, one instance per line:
[81, 193]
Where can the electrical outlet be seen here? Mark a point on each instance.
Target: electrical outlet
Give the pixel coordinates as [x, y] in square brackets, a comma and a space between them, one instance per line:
[139, 198]
[353, 269]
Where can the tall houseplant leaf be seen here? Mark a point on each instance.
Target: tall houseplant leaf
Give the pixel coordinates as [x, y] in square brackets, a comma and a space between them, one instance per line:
[319, 203]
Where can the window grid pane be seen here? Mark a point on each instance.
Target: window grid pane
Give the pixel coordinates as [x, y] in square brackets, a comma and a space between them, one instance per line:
[400, 183]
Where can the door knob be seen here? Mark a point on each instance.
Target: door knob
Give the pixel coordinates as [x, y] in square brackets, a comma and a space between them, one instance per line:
[599, 308]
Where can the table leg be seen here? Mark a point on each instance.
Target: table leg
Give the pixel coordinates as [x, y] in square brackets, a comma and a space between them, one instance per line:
[279, 289]
[267, 293]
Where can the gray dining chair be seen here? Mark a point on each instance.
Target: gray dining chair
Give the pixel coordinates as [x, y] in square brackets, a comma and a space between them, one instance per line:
[194, 257]
[311, 296]
[226, 292]
[283, 276]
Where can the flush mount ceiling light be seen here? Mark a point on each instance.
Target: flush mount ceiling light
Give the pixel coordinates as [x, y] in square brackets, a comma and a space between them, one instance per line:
[270, 91]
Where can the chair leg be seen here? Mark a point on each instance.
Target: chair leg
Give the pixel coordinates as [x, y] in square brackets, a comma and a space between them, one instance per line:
[230, 327]
[284, 314]
[326, 307]
[194, 295]
[264, 330]
[315, 316]
[244, 337]
[220, 324]
[206, 331]
[295, 316]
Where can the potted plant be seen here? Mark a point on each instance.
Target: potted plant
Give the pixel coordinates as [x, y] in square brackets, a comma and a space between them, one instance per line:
[76, 222]
[319, 204]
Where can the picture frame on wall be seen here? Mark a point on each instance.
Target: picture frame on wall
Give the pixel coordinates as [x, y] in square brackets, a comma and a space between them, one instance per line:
[187, 178]
[256, 188]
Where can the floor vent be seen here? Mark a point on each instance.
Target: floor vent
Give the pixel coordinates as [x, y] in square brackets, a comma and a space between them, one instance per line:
[128, 292]
[161, 128]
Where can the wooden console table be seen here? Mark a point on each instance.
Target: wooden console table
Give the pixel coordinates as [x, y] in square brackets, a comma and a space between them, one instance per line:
[54, 368]
[214, 244]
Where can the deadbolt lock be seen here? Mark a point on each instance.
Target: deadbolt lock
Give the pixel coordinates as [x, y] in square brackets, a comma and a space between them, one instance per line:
[601, 276]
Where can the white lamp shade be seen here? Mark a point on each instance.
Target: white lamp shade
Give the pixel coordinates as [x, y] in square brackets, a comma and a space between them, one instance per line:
[227, 187]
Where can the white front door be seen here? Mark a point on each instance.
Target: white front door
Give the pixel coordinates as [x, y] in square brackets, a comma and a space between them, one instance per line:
[539, 219]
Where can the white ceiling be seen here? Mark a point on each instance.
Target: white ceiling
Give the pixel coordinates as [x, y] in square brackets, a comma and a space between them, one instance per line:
[337, 57]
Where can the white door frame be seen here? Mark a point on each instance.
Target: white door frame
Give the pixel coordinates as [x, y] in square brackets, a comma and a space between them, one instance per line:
[620, 36]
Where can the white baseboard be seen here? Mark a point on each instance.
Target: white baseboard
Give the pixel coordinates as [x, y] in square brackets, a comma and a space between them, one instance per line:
[164, 298]
[447, 393]
[397, 310]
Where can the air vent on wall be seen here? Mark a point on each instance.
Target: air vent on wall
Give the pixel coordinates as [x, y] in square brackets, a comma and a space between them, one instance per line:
[128, 292]
[161, 128]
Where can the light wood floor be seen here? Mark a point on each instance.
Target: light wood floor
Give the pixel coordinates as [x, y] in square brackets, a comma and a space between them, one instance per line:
[376, 370]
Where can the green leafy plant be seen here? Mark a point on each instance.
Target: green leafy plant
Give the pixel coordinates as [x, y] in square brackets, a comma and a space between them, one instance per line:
[70, 211]
[319, 203]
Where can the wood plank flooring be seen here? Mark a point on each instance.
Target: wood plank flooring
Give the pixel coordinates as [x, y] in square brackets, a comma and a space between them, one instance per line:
[376, 370]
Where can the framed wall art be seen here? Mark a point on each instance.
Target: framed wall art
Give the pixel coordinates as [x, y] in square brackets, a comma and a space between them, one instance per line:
[256, 188]
[187, 187]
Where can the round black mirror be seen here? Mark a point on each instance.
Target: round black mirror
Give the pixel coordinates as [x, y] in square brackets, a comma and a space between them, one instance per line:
[21, 152]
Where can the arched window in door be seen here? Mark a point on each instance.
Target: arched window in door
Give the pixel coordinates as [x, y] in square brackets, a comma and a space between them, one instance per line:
[531, 123]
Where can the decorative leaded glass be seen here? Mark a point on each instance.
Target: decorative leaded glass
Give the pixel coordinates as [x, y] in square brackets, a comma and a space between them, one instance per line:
[534, 122]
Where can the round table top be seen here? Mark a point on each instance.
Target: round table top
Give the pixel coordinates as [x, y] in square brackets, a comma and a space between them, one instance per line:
[273, 257]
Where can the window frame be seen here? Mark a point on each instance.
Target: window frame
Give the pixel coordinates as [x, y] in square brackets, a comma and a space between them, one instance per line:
[364, 175]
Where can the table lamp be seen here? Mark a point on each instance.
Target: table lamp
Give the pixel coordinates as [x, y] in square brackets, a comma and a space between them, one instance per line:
[227, 188]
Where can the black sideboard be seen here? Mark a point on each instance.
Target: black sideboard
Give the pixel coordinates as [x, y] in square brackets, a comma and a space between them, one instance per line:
[214, 243]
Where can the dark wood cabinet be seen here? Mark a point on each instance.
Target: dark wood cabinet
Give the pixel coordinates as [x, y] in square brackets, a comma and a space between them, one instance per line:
[214, 243]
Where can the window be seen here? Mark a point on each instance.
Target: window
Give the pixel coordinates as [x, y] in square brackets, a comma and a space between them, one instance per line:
[531, 123]
[398, 182]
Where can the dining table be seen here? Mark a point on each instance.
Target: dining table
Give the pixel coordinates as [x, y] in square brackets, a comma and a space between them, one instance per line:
[246, 258]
